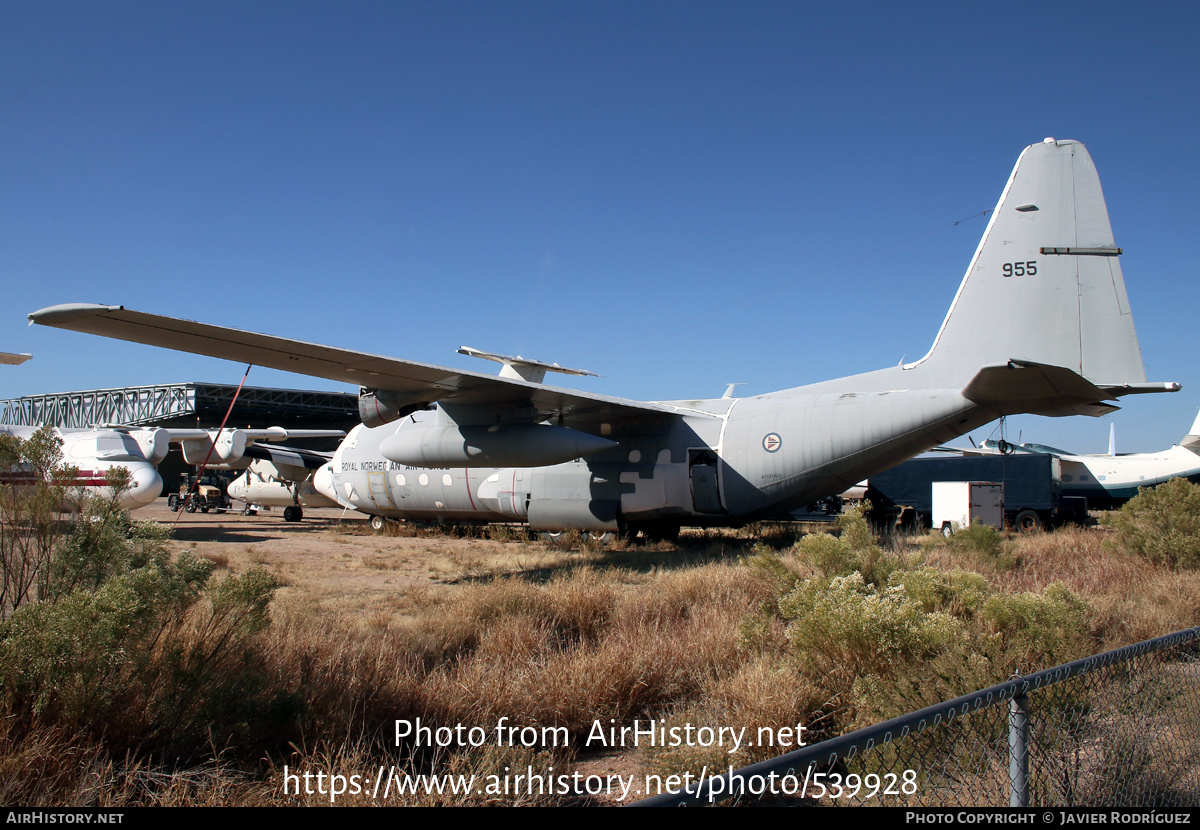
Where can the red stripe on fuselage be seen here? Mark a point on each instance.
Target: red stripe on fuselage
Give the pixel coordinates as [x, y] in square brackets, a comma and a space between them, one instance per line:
[85, 478]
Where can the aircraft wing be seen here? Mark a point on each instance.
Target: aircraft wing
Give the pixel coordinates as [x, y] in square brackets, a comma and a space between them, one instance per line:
[413, 383]
[289, 456]
[177, 434]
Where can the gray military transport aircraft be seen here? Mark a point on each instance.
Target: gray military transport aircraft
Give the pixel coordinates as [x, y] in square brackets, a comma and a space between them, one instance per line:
[1040, 324]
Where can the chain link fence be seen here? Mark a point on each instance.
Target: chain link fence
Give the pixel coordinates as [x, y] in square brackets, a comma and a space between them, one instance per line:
[1119, 729]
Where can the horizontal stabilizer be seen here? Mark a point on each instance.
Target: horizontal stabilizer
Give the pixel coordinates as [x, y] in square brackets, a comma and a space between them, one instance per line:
[1122, 389]
[1038, 388]
[1092, 410]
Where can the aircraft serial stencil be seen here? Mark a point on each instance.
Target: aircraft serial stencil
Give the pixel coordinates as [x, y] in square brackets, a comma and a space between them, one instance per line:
[1040, 324]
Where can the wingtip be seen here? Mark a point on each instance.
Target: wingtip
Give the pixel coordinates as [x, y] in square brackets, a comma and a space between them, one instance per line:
[67, 312]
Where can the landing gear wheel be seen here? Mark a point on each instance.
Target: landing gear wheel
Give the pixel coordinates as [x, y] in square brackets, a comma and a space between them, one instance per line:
[1028, 521]
[378, 523]
[292, 513]
[602, 537]
[947, 530]
[653, 532]
[661, 532]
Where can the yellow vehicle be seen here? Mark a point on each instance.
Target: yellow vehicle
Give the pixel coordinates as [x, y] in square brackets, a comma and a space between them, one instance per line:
[210, 493]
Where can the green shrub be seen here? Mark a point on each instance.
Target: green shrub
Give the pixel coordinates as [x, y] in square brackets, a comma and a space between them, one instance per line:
[62, 659]
[983, 543]
[105, 631]
[842, 625]
[30, 528]
[853, 549]
[1038, 630]
[957, 592]
[977, 538]
[1161, 524]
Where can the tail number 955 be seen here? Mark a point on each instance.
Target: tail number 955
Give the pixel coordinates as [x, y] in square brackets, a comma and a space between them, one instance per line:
[1020, 269]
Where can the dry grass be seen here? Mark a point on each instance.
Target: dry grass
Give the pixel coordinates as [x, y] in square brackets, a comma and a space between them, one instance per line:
[1131, 599]
[220, 560]
[472, 626]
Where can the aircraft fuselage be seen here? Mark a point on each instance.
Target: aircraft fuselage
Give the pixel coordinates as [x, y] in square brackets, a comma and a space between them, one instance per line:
[719, 462]
[1110, 481]
[92, 453]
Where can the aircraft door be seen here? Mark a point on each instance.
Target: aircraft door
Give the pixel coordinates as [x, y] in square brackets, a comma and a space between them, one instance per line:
[506, 492]
[514, 499]
[379, 495]
[703, 469]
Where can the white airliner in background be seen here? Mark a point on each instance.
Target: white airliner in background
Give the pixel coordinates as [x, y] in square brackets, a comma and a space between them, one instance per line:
[282, 478]
[93, 452]
[1111, 479]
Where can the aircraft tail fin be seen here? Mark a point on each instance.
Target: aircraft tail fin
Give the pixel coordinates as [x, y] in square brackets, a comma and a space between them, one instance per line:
[1045, 284]
[1192, 440]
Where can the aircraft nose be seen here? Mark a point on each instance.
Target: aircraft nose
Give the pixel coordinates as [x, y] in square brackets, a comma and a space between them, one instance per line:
[237, 488]
[322, 482]
[145, 485]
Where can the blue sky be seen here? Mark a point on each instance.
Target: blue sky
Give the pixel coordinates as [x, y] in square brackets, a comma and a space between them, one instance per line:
[676, 195]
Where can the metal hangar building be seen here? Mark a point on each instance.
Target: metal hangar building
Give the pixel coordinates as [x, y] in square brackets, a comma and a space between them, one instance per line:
[190, 404]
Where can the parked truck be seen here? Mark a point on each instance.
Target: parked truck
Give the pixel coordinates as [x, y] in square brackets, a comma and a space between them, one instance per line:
[1033, 499]
[210, 493]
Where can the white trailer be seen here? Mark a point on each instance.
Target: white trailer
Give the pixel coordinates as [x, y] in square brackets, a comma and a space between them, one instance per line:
[958, 503]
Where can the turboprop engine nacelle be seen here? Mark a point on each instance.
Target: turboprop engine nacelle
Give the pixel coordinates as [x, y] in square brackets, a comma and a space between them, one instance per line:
[500, 445]
[377, 407]
[154, 443]
[229, 448]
